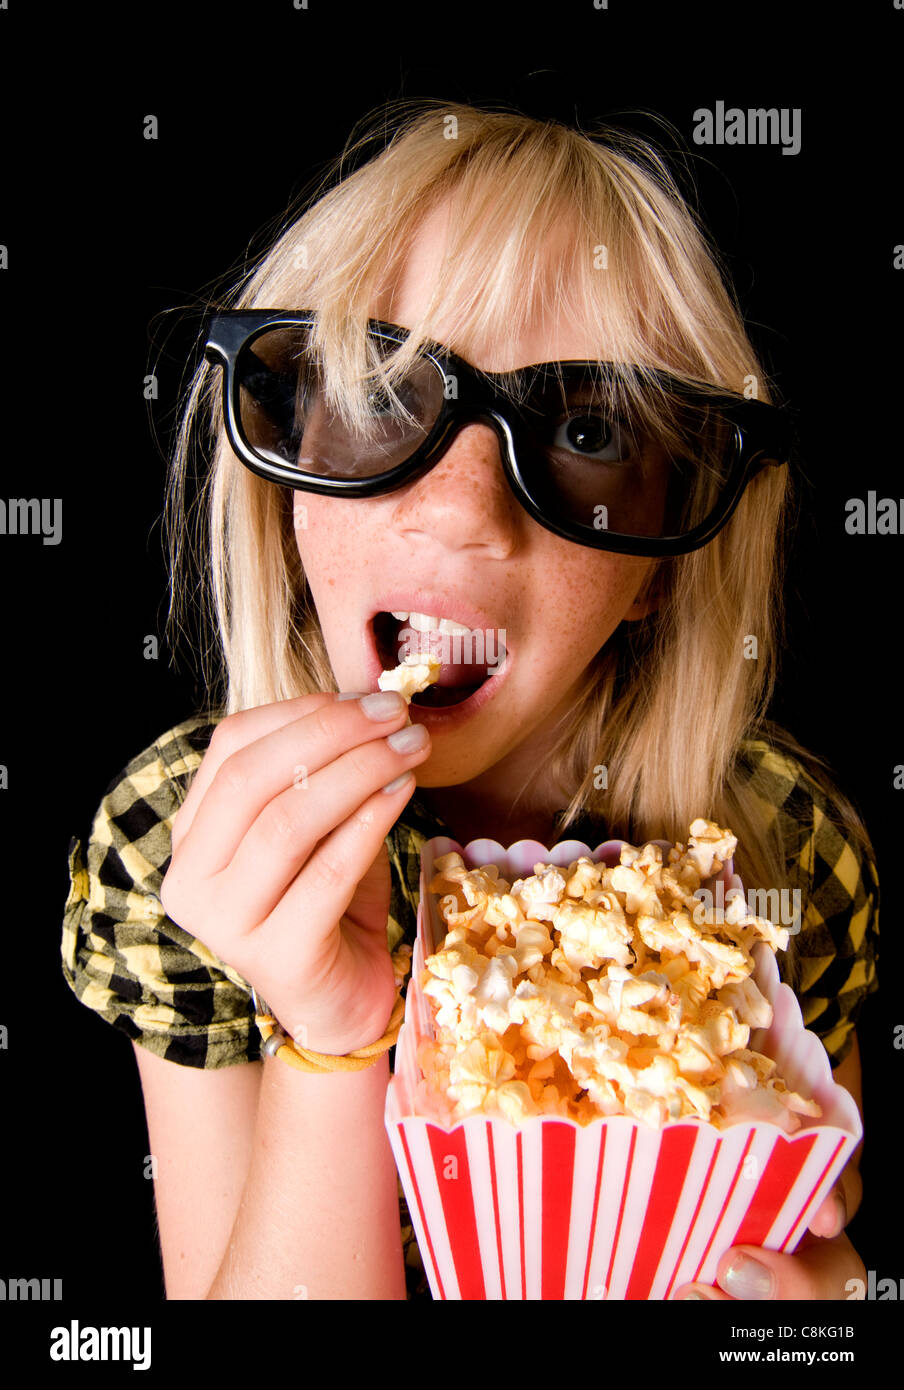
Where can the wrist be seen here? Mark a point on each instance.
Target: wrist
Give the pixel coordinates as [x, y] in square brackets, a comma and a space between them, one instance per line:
[322, 1037]
[336, 1044]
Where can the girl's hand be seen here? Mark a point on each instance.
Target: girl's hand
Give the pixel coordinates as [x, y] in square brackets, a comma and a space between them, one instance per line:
[820, 1268]
[825, 1259]
[279, 864]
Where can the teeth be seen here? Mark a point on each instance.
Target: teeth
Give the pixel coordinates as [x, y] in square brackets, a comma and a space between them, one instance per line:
[426, 622]
[423, 622]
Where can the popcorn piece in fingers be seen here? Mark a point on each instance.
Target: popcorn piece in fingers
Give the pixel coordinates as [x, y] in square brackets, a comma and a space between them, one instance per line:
[416, 672]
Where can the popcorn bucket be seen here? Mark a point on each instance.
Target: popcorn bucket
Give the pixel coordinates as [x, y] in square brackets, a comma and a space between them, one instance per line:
[552, 1209]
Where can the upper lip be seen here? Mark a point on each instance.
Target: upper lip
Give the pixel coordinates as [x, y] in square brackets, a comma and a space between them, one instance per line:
[448, 604]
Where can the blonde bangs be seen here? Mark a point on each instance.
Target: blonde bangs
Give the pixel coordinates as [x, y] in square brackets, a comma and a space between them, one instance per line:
[544, 221]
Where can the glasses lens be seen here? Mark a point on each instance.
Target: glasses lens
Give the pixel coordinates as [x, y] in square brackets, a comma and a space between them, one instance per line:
[644, 464]
[286, 417]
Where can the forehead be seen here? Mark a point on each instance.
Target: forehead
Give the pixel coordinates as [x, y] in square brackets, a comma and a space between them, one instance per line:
[550, 332]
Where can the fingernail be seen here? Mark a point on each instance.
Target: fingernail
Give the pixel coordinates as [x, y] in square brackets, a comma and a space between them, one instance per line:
[351, 694]
[384, 704]
[398, 783]
[688, 1296]
[409, 739]
[747, 1278]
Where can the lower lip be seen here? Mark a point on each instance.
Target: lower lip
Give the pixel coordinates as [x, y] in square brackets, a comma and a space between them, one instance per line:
[446, 717]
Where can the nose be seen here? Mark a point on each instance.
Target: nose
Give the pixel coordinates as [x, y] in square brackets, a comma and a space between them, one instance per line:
[463, 501]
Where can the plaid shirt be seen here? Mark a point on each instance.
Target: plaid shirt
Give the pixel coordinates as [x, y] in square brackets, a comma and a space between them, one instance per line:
[124, 958]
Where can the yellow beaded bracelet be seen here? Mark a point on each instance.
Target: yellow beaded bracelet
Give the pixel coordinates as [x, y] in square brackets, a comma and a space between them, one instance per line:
[279, 1044]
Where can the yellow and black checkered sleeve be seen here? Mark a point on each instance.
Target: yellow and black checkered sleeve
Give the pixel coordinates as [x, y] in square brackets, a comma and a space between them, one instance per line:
[837, 947]
[122, 955]
[126, 959]
[839, 938]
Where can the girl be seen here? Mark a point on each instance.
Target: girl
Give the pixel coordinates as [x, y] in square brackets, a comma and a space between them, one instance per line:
[383, 460]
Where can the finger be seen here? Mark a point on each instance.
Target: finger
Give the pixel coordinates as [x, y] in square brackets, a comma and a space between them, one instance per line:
[817, 1271]
[836, 1211]
[293, 824]
[702, 1291]
[255, 774]
[235, 733]
[830, 1218]
[322, 891]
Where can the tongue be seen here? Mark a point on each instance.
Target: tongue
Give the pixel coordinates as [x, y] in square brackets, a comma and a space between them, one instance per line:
[456, 675]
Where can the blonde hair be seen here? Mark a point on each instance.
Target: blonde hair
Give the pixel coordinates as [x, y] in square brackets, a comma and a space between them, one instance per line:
[669, 701]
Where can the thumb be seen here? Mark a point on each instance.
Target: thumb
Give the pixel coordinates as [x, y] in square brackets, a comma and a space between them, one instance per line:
[818, 1271]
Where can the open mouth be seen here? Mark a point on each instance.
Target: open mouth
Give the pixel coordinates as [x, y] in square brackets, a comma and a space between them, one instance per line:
[464, 668]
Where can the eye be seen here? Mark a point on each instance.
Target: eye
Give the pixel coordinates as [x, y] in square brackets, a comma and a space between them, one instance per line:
[592, 434]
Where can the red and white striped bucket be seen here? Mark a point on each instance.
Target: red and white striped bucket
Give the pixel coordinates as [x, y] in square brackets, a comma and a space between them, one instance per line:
[552, 1209]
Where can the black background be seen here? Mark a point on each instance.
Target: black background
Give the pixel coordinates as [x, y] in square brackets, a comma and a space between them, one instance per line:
[112, 238]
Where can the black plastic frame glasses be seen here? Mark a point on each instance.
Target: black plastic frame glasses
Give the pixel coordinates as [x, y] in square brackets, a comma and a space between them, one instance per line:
[760, 435]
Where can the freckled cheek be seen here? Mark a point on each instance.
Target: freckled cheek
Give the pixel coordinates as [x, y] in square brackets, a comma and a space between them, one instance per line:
[577, 612]
[328, 539]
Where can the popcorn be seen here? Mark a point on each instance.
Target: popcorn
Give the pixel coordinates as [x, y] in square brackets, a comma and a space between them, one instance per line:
[589, 935]
[416, 672]
[401, 963]
[482, 1072]
[539, 895]
[709, 847]
[592, 990]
